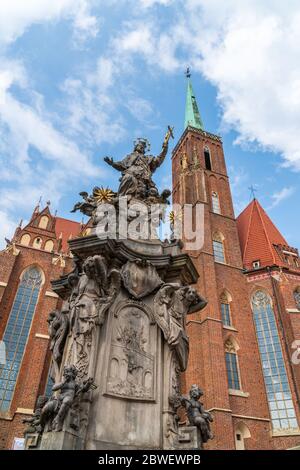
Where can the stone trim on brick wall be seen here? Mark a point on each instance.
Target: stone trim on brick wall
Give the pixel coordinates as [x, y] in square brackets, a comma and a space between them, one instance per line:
[251, 417]
[40, 335]
[24, 411]
[49, 293]
[288, 432]
[223, 410]
[238, 393]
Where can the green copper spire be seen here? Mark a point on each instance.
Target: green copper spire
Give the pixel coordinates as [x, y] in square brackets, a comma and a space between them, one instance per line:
[192, 115]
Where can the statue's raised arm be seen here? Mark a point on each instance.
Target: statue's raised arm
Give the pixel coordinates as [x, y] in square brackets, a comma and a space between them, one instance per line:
[158, 161]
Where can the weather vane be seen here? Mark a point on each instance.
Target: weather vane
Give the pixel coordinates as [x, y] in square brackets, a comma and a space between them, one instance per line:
[188, 72]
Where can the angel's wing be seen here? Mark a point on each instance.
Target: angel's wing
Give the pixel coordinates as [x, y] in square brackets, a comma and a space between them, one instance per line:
[114, 282]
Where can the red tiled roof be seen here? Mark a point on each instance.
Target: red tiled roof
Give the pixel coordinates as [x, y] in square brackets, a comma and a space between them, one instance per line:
[258, 235]
[66, 228]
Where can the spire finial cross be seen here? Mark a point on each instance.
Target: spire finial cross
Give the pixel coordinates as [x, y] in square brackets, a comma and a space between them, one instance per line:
[188, 72]
[252, 191]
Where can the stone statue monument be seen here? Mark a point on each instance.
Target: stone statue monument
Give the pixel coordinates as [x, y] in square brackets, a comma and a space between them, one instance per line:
[119, 343]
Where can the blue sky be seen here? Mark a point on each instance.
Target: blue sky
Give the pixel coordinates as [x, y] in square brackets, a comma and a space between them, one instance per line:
[80, 79]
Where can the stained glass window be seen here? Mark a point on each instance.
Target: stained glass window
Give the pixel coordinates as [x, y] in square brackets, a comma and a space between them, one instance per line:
[16, 333]
[278, 390]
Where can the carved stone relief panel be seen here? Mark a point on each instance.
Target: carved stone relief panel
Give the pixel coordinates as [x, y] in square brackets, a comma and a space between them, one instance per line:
[131, 368]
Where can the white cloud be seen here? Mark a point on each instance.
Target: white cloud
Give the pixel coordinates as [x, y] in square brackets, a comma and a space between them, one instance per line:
[253, 59]
[17, 16]
[281, 195]
[36, 158]
[151, 3]
[91, 112]
[248, 49]
[7, 227]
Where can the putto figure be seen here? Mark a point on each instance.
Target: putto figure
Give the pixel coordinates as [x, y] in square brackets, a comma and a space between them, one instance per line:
[196, 414]
[34, 421]
[55, 411]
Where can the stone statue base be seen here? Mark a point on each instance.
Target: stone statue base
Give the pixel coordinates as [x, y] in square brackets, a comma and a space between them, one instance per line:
[61, 440]
[127, 315]
[189, 438]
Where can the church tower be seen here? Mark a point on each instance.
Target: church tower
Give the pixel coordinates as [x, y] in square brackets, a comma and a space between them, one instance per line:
[224, 356]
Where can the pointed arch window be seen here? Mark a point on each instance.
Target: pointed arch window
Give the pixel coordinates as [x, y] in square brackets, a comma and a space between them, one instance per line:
[278, 390]
[37, 242]
[25, 240]
[207, 159]
[16, 332]
[49, 245]
[232, 365]
[215, 203]
[225, 309]
[218, 248]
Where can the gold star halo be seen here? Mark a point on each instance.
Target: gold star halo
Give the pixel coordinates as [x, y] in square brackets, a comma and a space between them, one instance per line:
[175, 216]
[103, 195]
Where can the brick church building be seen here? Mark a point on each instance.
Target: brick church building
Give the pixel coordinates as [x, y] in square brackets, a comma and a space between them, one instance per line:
[243, 347]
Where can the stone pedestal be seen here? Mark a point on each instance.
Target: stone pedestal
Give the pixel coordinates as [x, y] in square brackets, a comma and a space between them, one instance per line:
[62, 440]
[189, 438]
[137, 349]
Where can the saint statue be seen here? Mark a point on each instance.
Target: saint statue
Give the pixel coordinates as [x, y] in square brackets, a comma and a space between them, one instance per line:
[137, 169]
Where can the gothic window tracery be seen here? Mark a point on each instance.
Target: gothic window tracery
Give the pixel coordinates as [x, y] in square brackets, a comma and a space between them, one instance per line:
[278, 390]
[17, 331]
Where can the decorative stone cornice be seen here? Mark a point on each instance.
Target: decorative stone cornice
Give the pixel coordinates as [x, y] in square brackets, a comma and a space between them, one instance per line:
[204, 134]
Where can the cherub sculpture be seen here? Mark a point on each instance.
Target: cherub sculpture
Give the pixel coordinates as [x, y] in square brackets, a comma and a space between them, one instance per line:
[34, 421]
[196, 414]
[55, 411]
